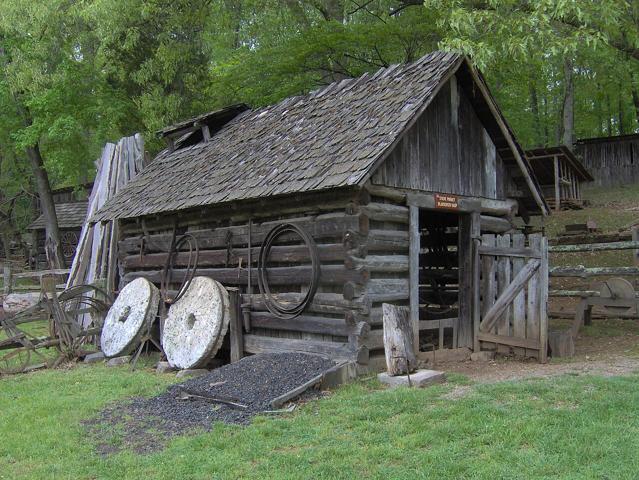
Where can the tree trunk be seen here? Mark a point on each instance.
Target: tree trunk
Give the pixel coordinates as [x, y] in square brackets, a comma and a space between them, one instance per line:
[546, 129]
[621, 117]
[635, 95]
[609, 115]
[567, 130]
[53, 246]
[534, 106]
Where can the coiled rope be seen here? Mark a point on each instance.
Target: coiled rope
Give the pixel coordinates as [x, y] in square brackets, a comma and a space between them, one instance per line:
[273, 306]
[191, 266]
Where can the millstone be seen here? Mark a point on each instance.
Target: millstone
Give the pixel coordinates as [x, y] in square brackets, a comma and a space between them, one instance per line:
[196, 324]
[617, 288]
[130, 315]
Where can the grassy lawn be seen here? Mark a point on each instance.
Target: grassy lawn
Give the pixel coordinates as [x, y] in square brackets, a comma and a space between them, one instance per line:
[612, 210]
[566, 427]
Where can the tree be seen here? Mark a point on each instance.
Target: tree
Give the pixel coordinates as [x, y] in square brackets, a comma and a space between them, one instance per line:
[498, 31]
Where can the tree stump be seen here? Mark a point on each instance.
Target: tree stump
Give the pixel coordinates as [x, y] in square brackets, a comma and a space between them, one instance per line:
[398, 340]
[561, 343]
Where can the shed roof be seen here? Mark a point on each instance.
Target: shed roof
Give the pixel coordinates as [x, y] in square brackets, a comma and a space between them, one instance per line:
[615, 138]
[333, 137]
[70, 215]
[541, 160]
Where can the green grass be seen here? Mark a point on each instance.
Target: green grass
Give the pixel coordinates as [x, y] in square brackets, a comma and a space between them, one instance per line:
[611, 209]
[568, 427]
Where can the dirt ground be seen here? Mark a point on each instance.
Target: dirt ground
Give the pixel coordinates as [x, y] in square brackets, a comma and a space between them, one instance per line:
[608, 348]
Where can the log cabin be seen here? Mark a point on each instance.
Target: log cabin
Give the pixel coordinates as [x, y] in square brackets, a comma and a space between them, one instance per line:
[560, 174]
[406, 186]
[71, 211]
[612, 161]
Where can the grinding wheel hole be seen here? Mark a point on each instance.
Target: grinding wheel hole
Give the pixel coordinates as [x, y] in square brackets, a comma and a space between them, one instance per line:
[125, 314]
[190, 321]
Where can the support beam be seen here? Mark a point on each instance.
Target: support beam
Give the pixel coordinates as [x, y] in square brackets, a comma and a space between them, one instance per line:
[468, 231]
[594, 247]
[557, 194]
[495, 224]
[413, 259]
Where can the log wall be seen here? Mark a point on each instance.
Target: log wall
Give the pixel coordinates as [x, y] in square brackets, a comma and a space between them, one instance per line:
[357, 240]
[611, 163]
[363, 245]
[39, 252]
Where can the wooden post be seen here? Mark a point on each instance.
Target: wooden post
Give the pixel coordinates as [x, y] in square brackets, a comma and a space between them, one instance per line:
[235, 326]
[469, 228]
[543, 303]
[557, 194]
[476, 293]
[398, 340]
[413, 269]
[635, 238]
[7, 278]
[475, 233]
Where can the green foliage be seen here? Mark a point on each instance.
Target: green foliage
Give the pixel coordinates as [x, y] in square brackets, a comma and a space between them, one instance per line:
[78, 74]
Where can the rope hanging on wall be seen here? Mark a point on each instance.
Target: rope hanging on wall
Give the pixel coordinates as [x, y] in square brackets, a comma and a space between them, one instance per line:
[273, 305]
[191, 266]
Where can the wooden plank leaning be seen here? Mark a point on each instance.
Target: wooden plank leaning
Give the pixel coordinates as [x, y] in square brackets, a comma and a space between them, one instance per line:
[504, 300]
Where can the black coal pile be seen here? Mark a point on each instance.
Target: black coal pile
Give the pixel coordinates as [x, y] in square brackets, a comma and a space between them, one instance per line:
[232, 394]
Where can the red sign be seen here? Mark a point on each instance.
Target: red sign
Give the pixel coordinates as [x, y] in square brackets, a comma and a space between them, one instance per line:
[448, 202]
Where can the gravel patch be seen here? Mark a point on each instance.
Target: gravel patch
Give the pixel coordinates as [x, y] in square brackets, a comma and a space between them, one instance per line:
[145, 424]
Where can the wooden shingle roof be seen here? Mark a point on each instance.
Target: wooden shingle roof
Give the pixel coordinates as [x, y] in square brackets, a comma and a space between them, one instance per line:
[333, 137]
[70, 215]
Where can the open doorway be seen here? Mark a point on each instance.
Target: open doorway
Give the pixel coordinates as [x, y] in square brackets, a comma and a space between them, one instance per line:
[438, 279]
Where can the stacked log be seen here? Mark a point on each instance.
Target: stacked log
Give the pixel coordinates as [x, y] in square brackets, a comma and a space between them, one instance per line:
[331, 325]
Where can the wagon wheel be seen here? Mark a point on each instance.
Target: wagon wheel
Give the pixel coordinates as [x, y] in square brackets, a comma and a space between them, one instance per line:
[18, 360]
[83, 300]
[438, 296]
[617, 288]
[436, 243]
[69, 241]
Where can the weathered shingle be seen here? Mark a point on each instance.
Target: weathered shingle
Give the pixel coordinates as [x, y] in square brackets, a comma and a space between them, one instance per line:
[70, 215]
[328, 138]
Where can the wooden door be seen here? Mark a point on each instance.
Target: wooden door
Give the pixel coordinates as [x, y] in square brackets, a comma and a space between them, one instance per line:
[512, 274]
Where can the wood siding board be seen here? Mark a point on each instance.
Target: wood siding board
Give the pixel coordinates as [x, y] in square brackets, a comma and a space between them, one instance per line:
[447, 150]
[611, 162]
[519, 304]
[504, 271]
[532, 305]
[488, 281]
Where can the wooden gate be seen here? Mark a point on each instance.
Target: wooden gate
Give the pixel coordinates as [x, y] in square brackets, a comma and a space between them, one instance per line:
[510, 303]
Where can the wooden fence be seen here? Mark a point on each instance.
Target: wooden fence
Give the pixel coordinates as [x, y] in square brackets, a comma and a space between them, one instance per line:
[513, 279]
[11, 276]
